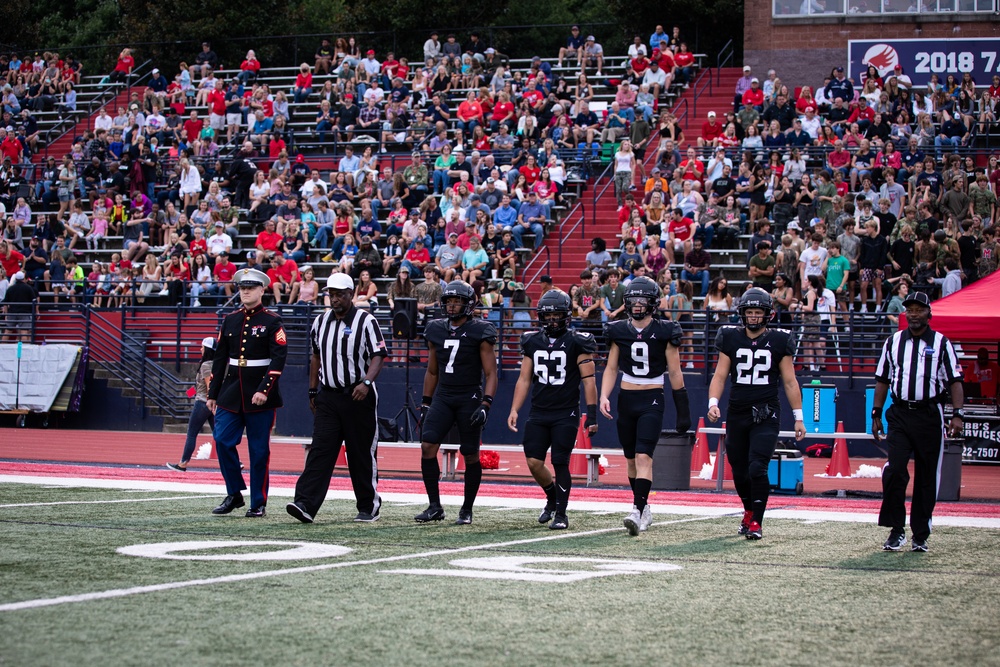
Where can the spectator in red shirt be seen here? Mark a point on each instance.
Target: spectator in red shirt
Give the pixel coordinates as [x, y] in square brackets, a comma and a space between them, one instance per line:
[625, 211]
[10, 147]
[985, 373]
[123, 68]
[692, 169]
[303, 84]
[838, 159]
[223, 272]
[249, 68]
[684, 60]
[193, 126]
[470, 114]
[680, 232]
[417, 257]
[11, 260]
[216, 100]
[862, 114]
[710, 130]
[268, 240]
[754, 96]
[284, 273]
[640, 64]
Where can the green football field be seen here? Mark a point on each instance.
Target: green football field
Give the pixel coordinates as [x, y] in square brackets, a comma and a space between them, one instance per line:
[504, 591]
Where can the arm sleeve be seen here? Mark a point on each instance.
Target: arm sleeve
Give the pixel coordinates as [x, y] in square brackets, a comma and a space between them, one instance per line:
[586, 342]
[525, 337]
[219, 363]
[950, 366]
[278, 348]
[720, 341]
[374, 340]
[489, 334]
[676, 334]
[883, 370]
[790, 344]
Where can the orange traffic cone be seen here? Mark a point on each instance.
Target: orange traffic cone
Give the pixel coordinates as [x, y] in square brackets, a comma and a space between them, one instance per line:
[699, 455]
[840, 463]
[578, 464]
[728, 469]
[342, 458]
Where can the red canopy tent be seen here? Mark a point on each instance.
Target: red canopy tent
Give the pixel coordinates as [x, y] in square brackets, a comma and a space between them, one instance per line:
[970, 314]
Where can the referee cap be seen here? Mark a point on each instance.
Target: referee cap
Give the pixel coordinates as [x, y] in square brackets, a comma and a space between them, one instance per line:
[917, 297]
[251, 278]
[339, 281]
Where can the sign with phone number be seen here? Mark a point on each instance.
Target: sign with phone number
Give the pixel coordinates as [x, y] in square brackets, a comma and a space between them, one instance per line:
[982, 441]
[920, 58]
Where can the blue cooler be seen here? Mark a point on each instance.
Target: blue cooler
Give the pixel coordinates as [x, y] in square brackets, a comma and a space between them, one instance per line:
[786, 471]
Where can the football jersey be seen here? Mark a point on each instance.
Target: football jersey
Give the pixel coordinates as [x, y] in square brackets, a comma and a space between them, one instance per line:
[459, 363]
[642, 354]
[556, 382]
[754, 363]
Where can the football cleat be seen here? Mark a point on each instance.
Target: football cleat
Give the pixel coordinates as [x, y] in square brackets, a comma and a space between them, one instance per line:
[547, 513]
[432, 513]
[632, 521]
[559, 522]
[745, 523]
[895, 542]
[754, 531]
[464, 517]
[646, 518]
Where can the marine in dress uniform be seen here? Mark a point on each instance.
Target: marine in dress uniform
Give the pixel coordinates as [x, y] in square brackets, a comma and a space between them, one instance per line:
[917, 365]
[645, 349]
[461, 353]
[758, 360]
[243, 393]
[555, 363]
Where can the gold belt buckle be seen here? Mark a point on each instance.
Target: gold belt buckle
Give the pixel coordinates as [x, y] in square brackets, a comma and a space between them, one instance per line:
[243, 363]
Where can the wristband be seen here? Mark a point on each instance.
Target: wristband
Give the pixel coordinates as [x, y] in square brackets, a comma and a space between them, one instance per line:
[797, 414]
[426, 400]
[592, 413]
[877, 413]
[488, 399]
[713, 402]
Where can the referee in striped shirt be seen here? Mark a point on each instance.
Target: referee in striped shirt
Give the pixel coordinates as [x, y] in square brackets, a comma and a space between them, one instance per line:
[347, 355]
[917, 365]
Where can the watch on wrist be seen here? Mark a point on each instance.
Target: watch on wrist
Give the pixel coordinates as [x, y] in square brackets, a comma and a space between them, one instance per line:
[366, 382]
[960, 413]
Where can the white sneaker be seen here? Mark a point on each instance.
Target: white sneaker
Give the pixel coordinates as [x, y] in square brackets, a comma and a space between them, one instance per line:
[164, 292]
[646, 518]
[196, 304]
[632, 522]
[689, 364]
[599, 75]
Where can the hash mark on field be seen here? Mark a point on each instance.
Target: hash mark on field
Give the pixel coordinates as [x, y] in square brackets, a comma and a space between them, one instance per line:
[249, 576]
[102, 502]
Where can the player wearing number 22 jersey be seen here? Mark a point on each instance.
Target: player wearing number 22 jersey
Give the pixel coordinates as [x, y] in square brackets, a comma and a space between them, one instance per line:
[461, 353]
[758, 361]
[645, 349]
[555, 362]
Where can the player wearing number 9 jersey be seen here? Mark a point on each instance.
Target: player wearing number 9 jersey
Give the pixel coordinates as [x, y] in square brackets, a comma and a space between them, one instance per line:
[644, 348]
[555, 362]
[758, 360]
[461, 353]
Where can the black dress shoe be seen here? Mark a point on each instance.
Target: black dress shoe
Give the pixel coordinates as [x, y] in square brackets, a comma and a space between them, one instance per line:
[257, 512]
[229, 504]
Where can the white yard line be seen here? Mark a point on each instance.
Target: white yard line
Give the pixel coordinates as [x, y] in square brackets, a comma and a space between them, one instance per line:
[103, 502]
[138, 590]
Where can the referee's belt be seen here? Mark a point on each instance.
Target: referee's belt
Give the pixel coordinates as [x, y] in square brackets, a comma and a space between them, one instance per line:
[243, 363]
[339, 390]
[915, 405]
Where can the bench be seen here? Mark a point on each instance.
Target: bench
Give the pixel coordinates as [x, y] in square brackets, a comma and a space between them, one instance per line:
[450, 453]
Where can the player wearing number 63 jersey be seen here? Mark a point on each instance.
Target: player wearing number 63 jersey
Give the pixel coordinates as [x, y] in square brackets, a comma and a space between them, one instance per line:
[460, 354]
[758, 360]
[555, 361]
[645, 349]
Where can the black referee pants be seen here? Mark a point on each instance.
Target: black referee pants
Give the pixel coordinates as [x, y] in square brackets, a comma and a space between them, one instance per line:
[341, 419]
[919, 433]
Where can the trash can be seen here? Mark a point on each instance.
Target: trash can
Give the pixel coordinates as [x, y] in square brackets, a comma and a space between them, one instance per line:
[672, 461]
[951, 470]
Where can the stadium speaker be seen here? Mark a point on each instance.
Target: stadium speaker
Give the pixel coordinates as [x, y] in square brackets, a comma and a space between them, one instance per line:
[404, 318]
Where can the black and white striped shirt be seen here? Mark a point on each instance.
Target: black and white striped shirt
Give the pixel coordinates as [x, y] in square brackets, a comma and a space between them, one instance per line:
[346, 347]
[918, 369]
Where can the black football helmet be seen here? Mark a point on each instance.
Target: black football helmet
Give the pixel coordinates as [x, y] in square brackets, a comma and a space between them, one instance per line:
[641, 298]
[755, 297]
[461, 290]
[555, 310]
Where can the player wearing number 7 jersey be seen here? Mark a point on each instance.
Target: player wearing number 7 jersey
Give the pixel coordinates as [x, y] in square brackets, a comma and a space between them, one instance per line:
[758, 360]
[645, 349]
[555, 362]
[460, 354]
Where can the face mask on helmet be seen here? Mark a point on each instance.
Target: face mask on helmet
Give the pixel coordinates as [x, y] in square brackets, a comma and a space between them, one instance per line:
[455, 307]
[554, 322]
[640, 307]
[754, 317]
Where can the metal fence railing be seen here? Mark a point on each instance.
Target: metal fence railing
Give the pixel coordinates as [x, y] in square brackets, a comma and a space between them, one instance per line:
[879, 8]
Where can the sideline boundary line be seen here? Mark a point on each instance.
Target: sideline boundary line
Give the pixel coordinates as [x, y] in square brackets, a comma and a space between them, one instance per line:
[154, 588]
[102, 502]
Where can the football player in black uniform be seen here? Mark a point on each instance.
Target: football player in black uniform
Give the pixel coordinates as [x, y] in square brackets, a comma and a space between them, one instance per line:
[555, 361]
[758, 360]
[461, 353]
[645, 349]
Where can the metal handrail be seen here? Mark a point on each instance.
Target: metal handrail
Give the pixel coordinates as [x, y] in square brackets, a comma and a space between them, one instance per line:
[702, 85]
[681, 116]
[562, 236]
[722, 58]
[542, 268]
[595, 194]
